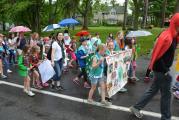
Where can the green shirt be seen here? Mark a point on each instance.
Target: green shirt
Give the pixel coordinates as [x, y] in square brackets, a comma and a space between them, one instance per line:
[22, 69]
[97, 72]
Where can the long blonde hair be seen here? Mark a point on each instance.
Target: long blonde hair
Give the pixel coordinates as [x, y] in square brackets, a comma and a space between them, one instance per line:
[100, 47]
[119, 40]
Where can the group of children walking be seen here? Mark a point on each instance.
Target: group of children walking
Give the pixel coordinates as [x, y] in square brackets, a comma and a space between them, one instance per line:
[63, 53]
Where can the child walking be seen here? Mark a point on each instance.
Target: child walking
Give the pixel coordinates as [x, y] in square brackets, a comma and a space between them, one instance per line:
[82, 54]
[132, 69]
[176, 86]
[24, 67]
[34, 61]
[72, 48]
[96, 74]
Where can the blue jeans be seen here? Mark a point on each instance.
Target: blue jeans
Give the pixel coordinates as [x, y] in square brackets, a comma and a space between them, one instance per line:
[5, 62]
[162, 83]
[12, 56]
[58, 69]
[130, 71]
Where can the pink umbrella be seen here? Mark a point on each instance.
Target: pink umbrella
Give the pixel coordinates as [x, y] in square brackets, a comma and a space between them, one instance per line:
[20, 29]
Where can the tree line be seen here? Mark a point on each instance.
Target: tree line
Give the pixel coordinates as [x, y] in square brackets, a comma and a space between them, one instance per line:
[38, 13]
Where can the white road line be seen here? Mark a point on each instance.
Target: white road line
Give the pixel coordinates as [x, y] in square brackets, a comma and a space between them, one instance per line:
[114, 107]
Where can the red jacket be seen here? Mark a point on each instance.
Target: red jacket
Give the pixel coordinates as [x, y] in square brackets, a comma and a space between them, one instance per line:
[164, 41]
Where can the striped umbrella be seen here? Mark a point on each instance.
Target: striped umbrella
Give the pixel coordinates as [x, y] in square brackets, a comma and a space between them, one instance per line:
[51, 27]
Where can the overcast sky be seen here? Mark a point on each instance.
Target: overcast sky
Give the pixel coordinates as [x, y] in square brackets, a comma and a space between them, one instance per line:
[118, 1]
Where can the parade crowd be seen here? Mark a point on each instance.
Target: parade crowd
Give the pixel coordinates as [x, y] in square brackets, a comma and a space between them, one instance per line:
[66, 53]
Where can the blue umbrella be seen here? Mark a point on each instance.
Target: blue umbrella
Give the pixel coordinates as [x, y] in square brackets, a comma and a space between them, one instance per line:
[51, 27]
[68, 21]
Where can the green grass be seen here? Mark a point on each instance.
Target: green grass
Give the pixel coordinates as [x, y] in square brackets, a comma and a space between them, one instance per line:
[146, 43]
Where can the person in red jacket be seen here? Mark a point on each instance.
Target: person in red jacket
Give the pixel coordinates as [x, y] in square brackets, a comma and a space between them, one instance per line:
[161, 61]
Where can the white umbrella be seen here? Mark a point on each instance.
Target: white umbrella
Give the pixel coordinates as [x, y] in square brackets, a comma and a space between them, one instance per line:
[51, 27]
[138, 33]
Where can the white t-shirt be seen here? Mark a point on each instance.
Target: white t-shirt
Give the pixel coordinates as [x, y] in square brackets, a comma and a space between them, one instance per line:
[58, 51]
[12, 41]
[67, 42]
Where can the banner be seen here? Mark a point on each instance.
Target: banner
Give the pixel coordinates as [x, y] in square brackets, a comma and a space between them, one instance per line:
[46, 71]
[88, 62]
[117, 68]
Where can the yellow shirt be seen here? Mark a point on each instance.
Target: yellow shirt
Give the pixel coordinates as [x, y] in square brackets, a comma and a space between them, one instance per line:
[177, 64]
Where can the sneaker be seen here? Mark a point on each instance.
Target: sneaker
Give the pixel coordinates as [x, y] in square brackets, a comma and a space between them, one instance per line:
[86, 85]
[3, 76]
[52, 86]
[105, 103]
[90, 101]
[31, 94]
[122, 90]
[26, 91]
[136, 78]
[108, 99]
[45, 84]
[38, 86]
[59, 88]
[175, 88]
[76, 81]
[9, 71]
[147, 79]
[136, 112]
[176, 94]
[132, 81]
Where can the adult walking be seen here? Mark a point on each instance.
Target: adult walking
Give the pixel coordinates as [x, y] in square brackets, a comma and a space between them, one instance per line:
[161, 61]
[57, 62]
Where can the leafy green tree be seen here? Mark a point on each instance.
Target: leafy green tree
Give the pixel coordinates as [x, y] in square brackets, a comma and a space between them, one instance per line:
[85, 9]
[125, 15]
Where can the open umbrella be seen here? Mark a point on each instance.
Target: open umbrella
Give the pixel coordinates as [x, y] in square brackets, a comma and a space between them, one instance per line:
[20, 29]
[68, 21]
[51, 27]
[138, 33]
[82, 33]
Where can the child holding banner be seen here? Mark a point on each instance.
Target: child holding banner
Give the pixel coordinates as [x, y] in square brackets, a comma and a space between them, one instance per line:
[96, 74]
[110, 51]
[34, 61]
[24, 67]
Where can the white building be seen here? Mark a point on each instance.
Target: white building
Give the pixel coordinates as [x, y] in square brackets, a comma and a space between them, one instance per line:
[112, 15]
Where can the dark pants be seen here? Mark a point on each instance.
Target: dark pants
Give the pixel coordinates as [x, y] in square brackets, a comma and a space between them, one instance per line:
[147, 73]
[12, 56]
[162, 83]
[84, 74]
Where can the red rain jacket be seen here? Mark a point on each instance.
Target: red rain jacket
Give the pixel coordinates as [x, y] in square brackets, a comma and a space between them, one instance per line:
[164, 41]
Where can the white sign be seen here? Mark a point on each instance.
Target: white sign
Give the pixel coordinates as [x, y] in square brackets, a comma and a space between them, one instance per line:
[46, 71]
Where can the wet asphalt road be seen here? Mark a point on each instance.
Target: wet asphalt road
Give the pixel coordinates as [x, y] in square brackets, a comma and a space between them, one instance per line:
[15, 105]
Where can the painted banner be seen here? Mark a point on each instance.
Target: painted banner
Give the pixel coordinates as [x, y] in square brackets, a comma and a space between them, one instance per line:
[117, 68]
[46, 71]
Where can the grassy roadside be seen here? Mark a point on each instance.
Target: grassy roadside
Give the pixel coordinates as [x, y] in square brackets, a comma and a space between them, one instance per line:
[146, 43]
